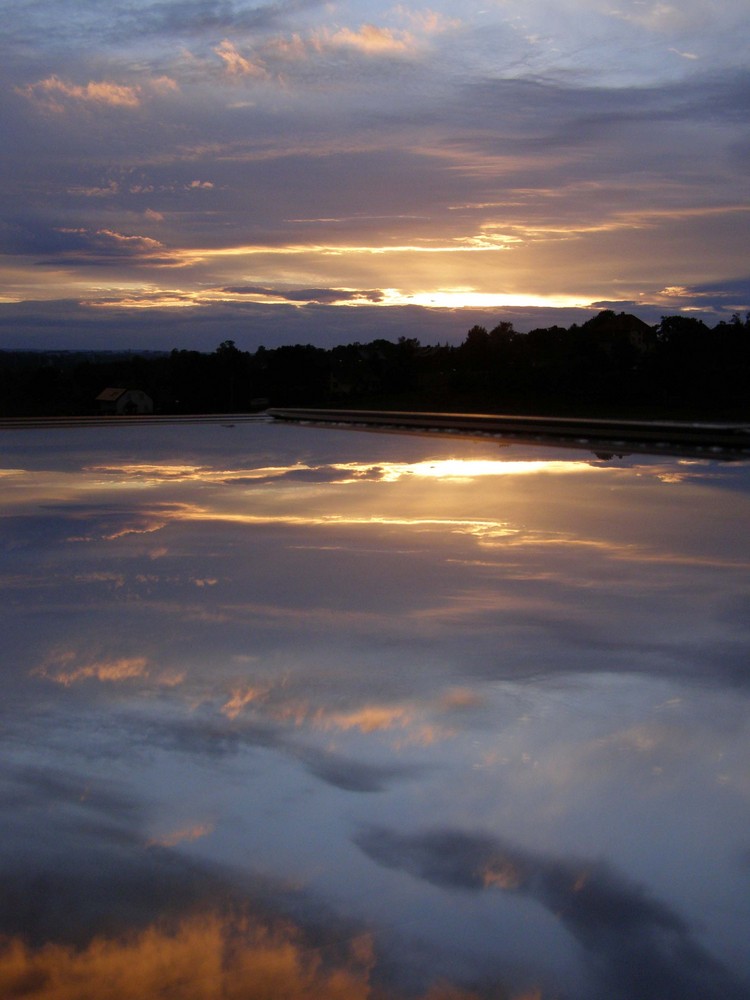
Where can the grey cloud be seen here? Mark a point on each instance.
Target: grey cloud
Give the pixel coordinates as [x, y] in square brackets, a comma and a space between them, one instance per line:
[318, 474]
[30, 786]
[637, 131]
[352, 775]
[198, 16]
[319, 295]
[75, 21]
[638, 947]
[221, 737]
[79, 246]
[67, 324]
[75, 862]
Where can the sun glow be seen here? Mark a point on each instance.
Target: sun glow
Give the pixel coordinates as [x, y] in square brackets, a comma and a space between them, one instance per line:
[466, 469]
[461, 298]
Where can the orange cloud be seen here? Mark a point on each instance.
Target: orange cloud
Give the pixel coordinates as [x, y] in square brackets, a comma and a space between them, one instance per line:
[52, 92]
[369, 719]
[109, 671]
[182, 836]
[236, 64]
[373, 40]
[502, 874]
[377, 719]
[239, 698]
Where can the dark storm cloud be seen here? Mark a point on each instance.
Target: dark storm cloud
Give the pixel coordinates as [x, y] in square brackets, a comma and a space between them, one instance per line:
[638, 947]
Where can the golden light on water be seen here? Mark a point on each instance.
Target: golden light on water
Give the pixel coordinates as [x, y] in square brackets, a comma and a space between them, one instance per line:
[467, 468]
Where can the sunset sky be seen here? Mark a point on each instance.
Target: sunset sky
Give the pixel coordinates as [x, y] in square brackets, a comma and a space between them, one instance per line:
[180, 173]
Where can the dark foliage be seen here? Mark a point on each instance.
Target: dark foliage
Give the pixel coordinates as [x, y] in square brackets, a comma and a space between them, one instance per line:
[612, 365]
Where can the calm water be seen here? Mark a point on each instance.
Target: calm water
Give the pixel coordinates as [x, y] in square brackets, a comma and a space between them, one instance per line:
[309, 713]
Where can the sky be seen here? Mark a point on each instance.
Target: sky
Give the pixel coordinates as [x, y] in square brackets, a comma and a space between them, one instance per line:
[178, 174]
[434, 718]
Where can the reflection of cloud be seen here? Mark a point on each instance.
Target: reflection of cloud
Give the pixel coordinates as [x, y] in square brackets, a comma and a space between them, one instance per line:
[368, 719]
[444, 469]
[639, 946]
[352, 775]
[241, 697]
[186, 835]
[205, 956]
[111, 671]
[410, 720]
[379, 718]
[459, 699]
[65, 668]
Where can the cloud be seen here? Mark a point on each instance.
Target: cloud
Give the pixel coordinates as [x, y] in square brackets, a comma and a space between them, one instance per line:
[126, 244]
[637, 945]
[81, 247]
[236, 64]
[183, 835]
[108, 671]
[53, 94]
[429, 22]
[56, 95]
[63, 323]
[353, 775]
[308, 295]
[372, 40]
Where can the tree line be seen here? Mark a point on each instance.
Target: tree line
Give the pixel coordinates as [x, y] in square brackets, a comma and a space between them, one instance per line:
[612, 365]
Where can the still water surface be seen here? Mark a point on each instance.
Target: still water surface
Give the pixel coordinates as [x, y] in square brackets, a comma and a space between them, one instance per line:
[306, 713]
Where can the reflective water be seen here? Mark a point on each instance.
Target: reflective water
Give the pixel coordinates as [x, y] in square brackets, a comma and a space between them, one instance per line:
[316, 713]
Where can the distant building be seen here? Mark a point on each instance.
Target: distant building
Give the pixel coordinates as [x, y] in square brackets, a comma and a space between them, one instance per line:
[609, 328]
[124, 402]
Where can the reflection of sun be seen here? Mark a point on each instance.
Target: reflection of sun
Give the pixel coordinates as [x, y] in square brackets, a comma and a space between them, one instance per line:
[465, 468]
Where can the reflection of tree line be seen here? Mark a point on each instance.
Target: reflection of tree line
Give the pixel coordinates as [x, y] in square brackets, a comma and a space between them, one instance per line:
[202, 957]
[614, 364]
